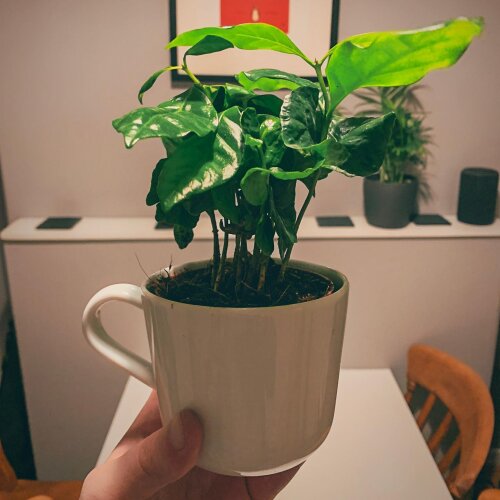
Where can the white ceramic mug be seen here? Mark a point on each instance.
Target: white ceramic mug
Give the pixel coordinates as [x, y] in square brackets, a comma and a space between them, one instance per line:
[263, 380]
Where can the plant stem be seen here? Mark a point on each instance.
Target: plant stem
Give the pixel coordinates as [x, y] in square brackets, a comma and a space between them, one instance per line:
[321, 81]
[310, 194]
[190, 74]
[216, 257]
[237, 261]
[262, 272]
[223, 258]
[303, 209]
[254, 265]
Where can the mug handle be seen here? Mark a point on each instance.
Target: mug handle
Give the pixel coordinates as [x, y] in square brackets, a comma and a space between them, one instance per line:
[107, 346]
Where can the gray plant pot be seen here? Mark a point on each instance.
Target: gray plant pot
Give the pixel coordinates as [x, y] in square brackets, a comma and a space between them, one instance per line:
[389, 205]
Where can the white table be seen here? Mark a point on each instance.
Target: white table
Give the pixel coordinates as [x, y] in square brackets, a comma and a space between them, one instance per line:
[374, 451]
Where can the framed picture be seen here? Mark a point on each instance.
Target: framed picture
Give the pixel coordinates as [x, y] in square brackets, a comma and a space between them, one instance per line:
[314, 31]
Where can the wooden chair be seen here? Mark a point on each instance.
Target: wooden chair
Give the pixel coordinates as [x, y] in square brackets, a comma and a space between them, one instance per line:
[12, 488]
[490, 494]
[468, 403]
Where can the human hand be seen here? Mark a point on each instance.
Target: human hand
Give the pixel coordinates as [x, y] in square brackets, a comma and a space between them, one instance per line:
[153, 462]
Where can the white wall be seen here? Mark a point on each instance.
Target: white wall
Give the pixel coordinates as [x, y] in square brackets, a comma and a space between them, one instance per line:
[69, 67]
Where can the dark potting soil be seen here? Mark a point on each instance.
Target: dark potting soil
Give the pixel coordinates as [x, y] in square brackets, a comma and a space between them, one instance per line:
[194, 287]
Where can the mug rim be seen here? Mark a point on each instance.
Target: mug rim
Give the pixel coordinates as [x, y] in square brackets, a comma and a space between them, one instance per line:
[301, 265]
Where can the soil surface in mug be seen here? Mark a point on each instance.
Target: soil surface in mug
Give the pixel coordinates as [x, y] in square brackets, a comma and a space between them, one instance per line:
[194, 287]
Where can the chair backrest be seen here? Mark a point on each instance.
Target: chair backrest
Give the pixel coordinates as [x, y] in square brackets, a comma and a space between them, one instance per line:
[8, 479]
[468, 402]
[491, 494]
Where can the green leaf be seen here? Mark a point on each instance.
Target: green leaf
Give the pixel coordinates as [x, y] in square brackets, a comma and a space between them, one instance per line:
[250, 122]
[236, 95]
[152, 196]
[357, 146]
[396, 58]
[209, 45]
[264, 235]
[255, 186]
[200, 164]
[270, 80]
[218, 97]
[270, 132]
[250, 36]
[225, 202]
[284, 227]
[189, 112]
[152, 80]
[170, 145]
[266, 104]
[284, 204]
[177, 215]
[293, 175]
[302, 118]
[183, 235]
[198, 204]
[250, 125]
[255, 183]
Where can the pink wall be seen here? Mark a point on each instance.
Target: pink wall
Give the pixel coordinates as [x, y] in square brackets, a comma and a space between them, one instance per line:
[69, 67]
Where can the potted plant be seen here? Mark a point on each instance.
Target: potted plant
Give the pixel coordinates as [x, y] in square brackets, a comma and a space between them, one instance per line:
[252, 343]
[390, 197]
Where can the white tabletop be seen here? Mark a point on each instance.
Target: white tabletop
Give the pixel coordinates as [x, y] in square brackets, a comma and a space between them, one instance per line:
[374, 451]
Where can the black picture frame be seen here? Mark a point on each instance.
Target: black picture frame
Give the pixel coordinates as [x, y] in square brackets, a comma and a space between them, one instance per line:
[179, 79]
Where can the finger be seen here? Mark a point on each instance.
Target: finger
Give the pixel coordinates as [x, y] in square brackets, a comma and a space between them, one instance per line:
[149, 416]
[161, 459]
[267, 487]
[147, 421]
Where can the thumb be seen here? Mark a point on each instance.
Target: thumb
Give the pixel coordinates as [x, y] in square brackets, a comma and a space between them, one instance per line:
[158, 460]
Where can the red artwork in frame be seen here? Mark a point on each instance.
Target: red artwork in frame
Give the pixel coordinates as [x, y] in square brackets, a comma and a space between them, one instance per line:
[275, 12]
[294, 18]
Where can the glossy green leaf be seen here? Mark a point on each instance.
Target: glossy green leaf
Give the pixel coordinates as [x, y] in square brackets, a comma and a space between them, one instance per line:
[255, 183]
[177, 215]
[218, 98]
[250, 36]
[236, 95]
[208, 45]
[255, 186]
[357, 146]
[302, 118]
[270, 132]
[190, 112]
[253, 142]
[285, 175]
[283, 226]
[152, 80]
[266, 104]
[200, 164]
[270, 80]
[152, 196]
[396, 57]
[225, 201]
[183, 235]
[250, 122]
[169, 145]
[264, 235]
[199, 203]
[284, 205]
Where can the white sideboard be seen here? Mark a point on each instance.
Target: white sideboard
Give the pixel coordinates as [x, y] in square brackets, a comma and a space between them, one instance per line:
[434, 284]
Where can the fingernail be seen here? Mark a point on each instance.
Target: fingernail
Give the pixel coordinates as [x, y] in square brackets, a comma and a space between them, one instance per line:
[176, 433]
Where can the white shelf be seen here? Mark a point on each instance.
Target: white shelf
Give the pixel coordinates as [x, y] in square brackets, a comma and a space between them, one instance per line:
[105, 229]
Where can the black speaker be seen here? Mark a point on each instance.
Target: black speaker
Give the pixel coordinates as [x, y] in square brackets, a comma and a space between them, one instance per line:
[478, 195]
